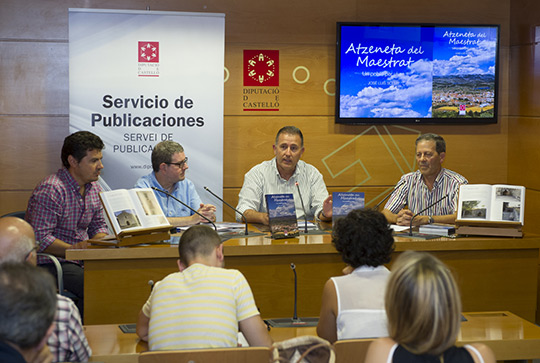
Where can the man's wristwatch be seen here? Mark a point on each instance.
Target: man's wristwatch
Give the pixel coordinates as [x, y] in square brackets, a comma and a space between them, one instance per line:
[431, 220]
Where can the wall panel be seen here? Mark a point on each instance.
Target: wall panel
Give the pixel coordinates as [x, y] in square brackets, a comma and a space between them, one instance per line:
[34, 73]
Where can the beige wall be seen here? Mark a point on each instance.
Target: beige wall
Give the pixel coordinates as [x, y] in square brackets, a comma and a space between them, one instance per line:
[34, 92]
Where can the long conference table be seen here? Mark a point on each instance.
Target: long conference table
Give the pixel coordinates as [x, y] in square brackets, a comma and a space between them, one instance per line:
[509, 336]
[493, 273]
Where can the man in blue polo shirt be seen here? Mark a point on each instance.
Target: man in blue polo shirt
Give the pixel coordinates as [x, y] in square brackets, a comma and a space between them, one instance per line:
[170, 164]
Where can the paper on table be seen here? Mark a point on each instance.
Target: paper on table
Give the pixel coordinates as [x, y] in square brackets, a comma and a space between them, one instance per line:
[397, 228]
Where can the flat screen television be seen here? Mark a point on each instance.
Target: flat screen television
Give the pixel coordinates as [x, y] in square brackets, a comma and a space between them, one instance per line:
[416, 73]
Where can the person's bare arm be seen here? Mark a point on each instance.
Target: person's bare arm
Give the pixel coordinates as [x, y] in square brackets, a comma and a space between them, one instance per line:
[485, 351]
[58, 248]
[142, 326]
[255, 332]
[253, 216]
[326, 327]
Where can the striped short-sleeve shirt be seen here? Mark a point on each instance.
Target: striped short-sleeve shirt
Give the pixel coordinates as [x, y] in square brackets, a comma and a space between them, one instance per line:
[199, 307]
[413, 193]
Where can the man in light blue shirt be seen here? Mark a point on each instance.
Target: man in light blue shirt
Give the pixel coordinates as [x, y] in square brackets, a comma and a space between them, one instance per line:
[169, 163]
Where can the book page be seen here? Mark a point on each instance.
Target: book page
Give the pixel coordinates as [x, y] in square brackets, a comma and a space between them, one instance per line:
[148, 209]
[120, 210]
[508, 203]
[474, 202]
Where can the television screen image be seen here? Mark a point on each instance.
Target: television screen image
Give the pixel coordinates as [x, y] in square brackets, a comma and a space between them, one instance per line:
[416, 73]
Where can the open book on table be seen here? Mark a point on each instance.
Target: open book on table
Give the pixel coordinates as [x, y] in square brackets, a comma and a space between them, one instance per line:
[135, 216]
[493, 203]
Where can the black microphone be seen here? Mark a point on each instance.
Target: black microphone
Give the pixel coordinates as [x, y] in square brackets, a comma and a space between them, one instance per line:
[422, 211]
[185, 205]
[230, 206]
[295, 315]
[305, 219]
[389, 194]
[295, 321]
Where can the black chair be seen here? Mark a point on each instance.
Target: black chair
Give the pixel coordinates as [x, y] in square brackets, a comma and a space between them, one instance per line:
[18, 214]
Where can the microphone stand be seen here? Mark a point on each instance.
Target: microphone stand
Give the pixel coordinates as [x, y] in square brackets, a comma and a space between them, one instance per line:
[295, 321]
[246, 233]
[185, 205]
[388, 195]
[419, 235]
[306, 232]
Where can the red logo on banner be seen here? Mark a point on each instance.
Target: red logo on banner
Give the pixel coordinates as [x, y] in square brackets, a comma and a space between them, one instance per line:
[462, 108]
[148, 52]
[261, 68]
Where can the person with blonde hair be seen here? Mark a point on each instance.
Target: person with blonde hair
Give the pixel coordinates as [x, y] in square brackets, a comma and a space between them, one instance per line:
[423, 308]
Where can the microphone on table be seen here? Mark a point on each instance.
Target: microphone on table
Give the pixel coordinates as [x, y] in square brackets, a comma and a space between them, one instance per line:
[295, 315]
[246, 233]
[305, 215]
[295, 321]
[185, 205]
[423, 210]
[389, 194]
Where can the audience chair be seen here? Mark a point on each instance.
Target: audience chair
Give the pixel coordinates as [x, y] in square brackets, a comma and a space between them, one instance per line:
[211, 355]
[18, 214]
[352, 350]
[59, 276]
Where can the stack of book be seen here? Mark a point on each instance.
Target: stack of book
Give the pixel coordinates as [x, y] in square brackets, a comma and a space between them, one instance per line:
[438, 229]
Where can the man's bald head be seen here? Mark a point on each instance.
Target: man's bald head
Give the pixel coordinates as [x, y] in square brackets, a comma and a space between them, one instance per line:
[17, 239]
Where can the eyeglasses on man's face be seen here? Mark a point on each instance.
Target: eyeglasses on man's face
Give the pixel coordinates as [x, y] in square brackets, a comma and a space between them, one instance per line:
[29, 253]
[180, 164]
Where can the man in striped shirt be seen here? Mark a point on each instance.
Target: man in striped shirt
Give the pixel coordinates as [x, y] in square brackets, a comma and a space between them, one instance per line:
[204, 305]
[426, 187]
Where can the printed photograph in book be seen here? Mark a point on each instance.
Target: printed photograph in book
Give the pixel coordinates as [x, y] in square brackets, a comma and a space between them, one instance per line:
[127, 218]
[492, 203]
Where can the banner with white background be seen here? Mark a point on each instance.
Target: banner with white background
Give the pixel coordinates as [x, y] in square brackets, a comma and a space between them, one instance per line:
[140, 77]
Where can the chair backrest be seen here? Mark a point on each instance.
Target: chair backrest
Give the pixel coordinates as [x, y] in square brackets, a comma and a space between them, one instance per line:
[225, 355]
[19, 214]
[353, 350]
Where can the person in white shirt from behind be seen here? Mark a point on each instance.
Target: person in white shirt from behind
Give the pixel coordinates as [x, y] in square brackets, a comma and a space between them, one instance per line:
[353, 305]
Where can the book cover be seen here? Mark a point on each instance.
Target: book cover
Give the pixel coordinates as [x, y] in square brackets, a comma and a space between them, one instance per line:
[344, 202]
[282, 215]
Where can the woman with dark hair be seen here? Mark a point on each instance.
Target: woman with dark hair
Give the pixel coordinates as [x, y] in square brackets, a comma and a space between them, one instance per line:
[353, 305]
[424, 316]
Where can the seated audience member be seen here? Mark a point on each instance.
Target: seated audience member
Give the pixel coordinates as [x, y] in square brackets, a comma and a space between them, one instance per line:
[204, 304]
[65, 211]
[424, 316]
[280, 175]
[170, 164]
[67, 342]
[353, 305]
[419, 189]
[27, 308]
